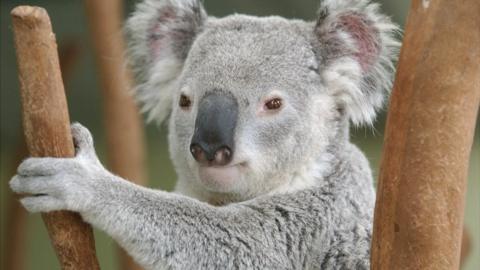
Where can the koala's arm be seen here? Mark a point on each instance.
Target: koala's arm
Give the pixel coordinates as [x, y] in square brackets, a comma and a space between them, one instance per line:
[161, 229]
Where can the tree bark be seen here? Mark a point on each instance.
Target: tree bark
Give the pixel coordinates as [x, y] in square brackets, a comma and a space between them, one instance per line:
[124, 130]
[16, 214]
[428, 139]
[46, 126]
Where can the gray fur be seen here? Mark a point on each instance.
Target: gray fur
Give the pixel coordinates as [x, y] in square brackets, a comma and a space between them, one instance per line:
[299, 194]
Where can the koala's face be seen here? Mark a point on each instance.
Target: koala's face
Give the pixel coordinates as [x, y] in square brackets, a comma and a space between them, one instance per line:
[249, 108]
[255, 102]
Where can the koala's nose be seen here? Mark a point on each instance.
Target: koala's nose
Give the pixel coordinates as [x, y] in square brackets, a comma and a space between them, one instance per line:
[208, 156]
[213, 140]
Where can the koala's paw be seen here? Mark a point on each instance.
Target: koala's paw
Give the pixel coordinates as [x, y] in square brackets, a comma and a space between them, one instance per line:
[52, 184]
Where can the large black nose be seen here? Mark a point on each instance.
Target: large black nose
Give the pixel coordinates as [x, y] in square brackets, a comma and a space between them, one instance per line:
[213, 140]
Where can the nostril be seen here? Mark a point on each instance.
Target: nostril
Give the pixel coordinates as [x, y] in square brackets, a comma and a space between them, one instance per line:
[198, 153]
[223, 156]
[210, 157]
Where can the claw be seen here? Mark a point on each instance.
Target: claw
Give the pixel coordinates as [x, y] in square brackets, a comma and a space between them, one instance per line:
[82, 139]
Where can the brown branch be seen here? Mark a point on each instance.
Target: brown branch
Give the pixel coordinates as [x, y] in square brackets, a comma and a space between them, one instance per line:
[15, 238]
[124, 130]
[47, 126]
[466, 246]
[429, 134]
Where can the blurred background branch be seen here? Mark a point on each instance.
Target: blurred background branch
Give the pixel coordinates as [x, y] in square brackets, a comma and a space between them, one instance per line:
[123, 126]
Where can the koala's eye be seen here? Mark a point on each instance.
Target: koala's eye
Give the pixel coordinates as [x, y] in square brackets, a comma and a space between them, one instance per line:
[274, 104]
[184, 102]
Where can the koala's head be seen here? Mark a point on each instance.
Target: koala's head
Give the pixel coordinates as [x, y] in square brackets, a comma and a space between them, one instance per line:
[254, 102]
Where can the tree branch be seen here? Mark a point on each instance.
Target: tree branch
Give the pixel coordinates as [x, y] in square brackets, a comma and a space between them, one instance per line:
[47, 126]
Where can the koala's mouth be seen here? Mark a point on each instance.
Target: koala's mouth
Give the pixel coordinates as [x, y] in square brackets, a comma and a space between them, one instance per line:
[221, 178]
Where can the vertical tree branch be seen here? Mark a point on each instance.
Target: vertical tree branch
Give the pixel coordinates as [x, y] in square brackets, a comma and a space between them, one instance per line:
[125, 146]
[16, 214]
[47, 126]
[466, 246]
[428, 139]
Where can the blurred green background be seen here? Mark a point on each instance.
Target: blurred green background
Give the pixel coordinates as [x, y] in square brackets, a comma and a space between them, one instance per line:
[70, 25]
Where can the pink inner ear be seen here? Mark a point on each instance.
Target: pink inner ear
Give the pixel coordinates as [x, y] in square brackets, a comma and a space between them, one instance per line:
[158, 30]
[365, 35]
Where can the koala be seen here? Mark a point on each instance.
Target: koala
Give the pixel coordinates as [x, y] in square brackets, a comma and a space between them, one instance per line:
[258, 111]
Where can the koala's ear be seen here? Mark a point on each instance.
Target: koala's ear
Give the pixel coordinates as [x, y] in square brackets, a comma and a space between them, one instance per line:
[160, 34]
[357, 46]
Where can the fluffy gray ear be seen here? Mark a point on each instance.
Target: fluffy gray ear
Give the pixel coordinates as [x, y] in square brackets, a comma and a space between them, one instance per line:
[160, 34]
[357, 46]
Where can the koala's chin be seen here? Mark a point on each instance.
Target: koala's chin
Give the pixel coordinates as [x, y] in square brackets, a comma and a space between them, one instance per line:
[220, 179]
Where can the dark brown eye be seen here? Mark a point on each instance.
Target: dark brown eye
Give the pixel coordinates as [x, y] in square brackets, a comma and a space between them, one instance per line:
[184, 102]
[273, 104]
